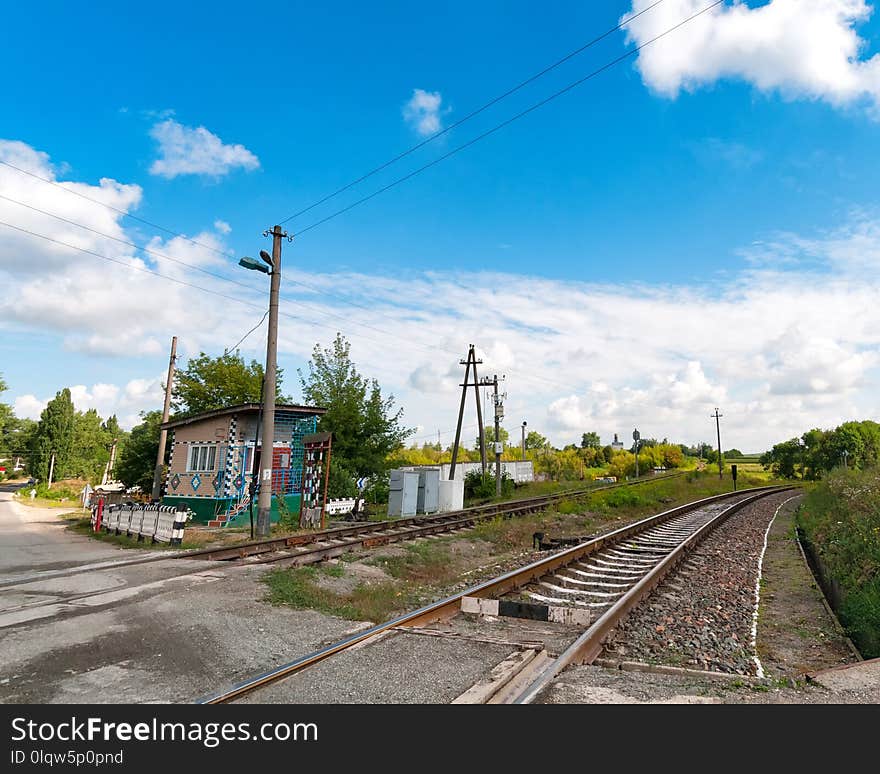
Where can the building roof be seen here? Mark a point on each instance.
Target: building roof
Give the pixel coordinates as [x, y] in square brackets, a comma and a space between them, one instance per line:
[244, 408]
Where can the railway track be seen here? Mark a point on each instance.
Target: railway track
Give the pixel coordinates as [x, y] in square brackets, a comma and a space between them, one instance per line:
[593, 585]
[312, 547]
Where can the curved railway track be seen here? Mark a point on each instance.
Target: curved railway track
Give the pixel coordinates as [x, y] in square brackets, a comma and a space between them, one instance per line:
[325, 544]
[604, 577]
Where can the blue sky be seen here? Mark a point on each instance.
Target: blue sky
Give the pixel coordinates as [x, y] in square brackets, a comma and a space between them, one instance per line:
[687, 229]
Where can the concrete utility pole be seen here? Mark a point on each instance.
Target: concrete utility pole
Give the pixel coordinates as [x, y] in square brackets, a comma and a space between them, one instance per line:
[163, 434]
[111, 463]
[51, 469]
[471, 361]
[845, 453]
[523, 440]
[718, 430]
[499, 412]
[636, 437]
[264, 503]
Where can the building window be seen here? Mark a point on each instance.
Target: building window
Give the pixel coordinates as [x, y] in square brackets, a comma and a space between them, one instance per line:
[201, 459]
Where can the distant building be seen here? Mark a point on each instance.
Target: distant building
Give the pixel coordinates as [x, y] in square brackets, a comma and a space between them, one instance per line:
[213, 453]
[616, 445]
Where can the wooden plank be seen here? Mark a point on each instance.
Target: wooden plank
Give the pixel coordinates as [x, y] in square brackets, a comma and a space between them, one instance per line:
[500, 676]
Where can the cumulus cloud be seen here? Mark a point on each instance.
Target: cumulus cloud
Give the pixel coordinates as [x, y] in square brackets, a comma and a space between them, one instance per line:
[422, 111]
[184, 150]
[797, 350]
[799, 48]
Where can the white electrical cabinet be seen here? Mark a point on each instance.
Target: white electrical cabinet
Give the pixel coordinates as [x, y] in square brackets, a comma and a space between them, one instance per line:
[429, 491]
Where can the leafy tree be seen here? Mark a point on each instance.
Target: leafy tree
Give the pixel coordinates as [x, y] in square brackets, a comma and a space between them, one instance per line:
[90, 450]
[366, 427]
[137, 459]
[535, 441]
[209, 383]
[782, 458]
[54, 435]
[6, 415]
[489, 431]
[591, 441]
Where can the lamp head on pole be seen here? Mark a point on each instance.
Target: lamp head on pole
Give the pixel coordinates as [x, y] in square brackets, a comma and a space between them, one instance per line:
[250, 263]
[267, 258]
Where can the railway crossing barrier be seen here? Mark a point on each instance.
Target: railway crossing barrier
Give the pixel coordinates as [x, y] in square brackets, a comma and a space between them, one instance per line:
[159, 523]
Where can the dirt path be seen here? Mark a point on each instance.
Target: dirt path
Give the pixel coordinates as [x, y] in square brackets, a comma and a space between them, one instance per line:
[796, 633]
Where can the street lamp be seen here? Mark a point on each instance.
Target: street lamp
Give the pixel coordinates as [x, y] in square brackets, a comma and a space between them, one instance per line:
[272, 267]
[524, 439]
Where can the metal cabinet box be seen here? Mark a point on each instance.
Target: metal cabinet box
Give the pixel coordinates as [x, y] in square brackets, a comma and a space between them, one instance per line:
[403, 494]
[429, 491]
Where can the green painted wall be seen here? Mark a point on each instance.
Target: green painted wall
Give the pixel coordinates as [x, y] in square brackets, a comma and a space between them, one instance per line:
[206, 508]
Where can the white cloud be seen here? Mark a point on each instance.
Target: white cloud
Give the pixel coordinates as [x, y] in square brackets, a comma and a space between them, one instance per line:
[799, 48]
[107, 399]
[28, 406]
[422, 112]
[222, 226]
[185, 150]
[795, 349]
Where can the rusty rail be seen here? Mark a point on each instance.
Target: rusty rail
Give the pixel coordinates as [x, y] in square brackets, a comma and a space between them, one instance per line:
[588, 646]
[422, 525]
[497, 586]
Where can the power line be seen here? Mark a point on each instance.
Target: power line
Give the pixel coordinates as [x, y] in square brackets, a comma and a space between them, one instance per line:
[235, 346]
[115, 209]
[146, 250]
[507, 122]
[472, 114]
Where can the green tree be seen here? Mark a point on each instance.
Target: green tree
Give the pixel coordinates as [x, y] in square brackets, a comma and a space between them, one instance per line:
[591, 441]
[534, 440]
[782, 458]
[137, 459]
[90, 450]
[489, 431]
[54, 435]
[366, 427]
[6, 415]
[209, 383]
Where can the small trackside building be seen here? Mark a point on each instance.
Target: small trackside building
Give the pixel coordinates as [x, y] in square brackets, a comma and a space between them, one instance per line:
[213, 455]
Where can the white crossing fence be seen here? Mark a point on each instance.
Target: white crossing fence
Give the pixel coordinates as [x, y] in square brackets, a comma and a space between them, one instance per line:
[339, 505]
[159, 523]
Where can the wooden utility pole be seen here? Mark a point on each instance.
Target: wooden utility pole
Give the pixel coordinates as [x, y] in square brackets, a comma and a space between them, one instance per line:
[163, 434]
[470, 362]
[718, 430]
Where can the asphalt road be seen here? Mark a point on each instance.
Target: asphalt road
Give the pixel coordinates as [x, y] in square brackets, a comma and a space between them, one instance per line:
[35, 539]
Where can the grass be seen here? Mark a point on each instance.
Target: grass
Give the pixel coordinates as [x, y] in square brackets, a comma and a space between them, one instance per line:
[83, 526]
[298, 588]
[841, 522]
[421, 568]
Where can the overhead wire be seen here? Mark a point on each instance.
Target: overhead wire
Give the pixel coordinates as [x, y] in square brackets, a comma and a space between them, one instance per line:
[472, 114]
[507, 122]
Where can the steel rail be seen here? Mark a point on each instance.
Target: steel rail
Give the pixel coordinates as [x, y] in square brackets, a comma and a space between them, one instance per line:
[477, 512]
[450, 605]
[586, 648]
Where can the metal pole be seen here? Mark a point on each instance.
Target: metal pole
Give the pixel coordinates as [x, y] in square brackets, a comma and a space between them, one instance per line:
[163, 434]
[264, 504]
[524, 440]
[718, 430]
[497, 441]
